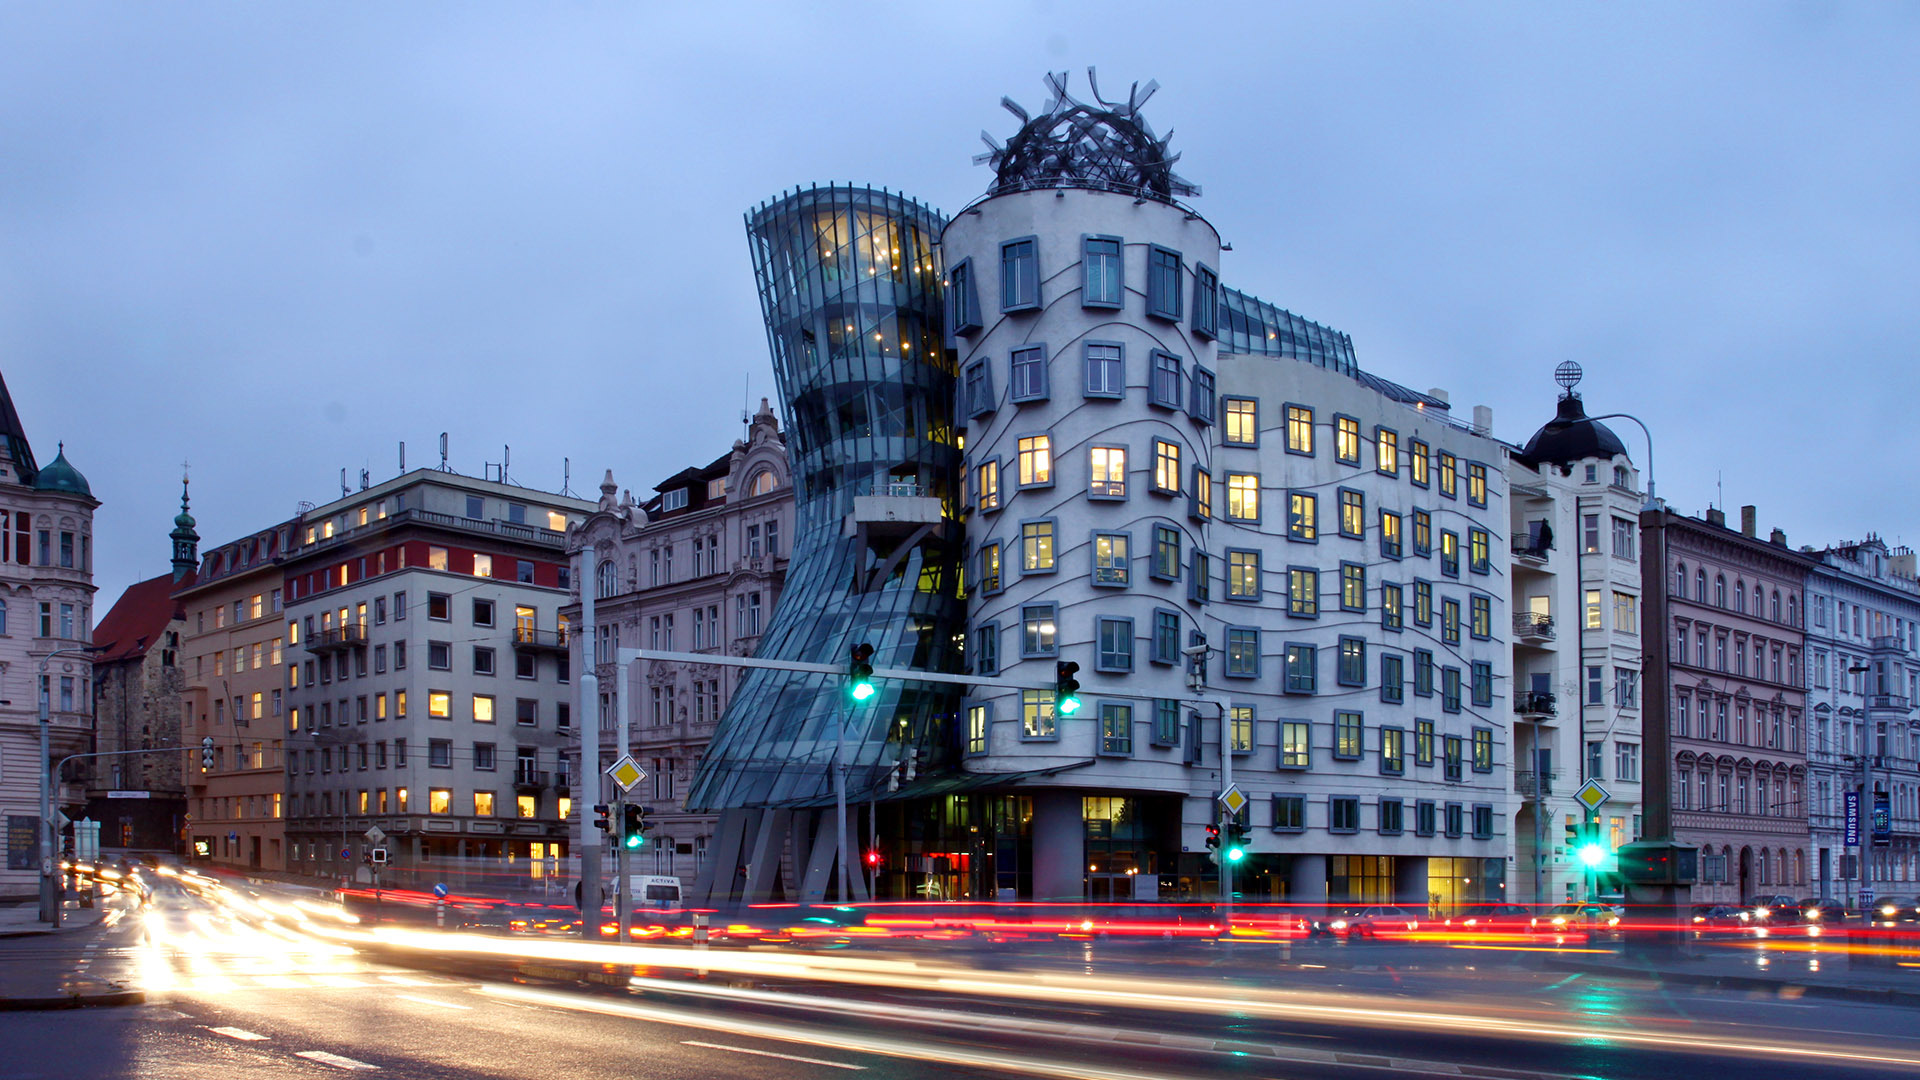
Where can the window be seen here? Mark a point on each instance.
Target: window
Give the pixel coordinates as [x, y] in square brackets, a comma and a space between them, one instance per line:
[1303, 592]
[1450, 755]
[1302, 516]
[1116, 728]
[1289, 813]
[1106, 370]
[1036, 547]
[1626, 688]
[1206, 301]
[1449, 554]
[482, 660]
[440, 753]
[1482, 821]
[1417, 461]
[1623, 542]
[1343, 814]
[1353, 513]
[1243, 652]
[987, 651]
[439, 607]
[483, 756]
[1166, 636]
[1422, 603]
[990, 568]
[1449, 475]
[1163, 283]
[1348, 733]
[1037, 631]
[1243, 496]
[1476, 484]
[1346, 440]
[1479, 553]
[1243, 421]
[1108, 472]
[979, 719]
[483, 708]
[1389, 534]
[1423, 742]
[1482, 750]
[1390, 606]
[1393, 750]
[1422, 534]
[1352, 668]
[963, 300]
[979, 389]
[1626, 613]
[1019, 274]
[1596, 685]
[1353, 587]
[1482, 616]
[1626, 761]
[1166, 553]
[1302, 668]
[1393, 678]
[1036, 714]
[439, 656]
[1295, 751]
[1392, 816]
[483, 566]
[1165, 389]
[1166, 467]
[1201, 506]
[1482, 683]
[1102, 270]
[440, 704]
[1299, 430]
[483, 613]
[1200, 396]
[1110, 559]
[986, 484]
[1036, 461]
[1115, 638]
[1166, 722]
[1200, 577]
[1450, 689]
[1029, 373]
[1243, 575]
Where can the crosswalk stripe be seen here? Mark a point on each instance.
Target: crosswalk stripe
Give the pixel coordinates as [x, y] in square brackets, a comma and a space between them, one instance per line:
[334, 1060]
[238, 1033]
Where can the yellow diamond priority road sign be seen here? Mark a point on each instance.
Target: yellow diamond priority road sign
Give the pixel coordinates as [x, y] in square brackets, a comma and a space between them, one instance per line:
[1233, 799]
[1591, 795]
[626, 773]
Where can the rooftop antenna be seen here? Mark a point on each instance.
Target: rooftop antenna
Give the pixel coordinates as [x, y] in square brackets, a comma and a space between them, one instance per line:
[403, 455]
[566, 477]
[506, 458]
[366, 479]
[344, 489]
[746, 399]
[443, 453]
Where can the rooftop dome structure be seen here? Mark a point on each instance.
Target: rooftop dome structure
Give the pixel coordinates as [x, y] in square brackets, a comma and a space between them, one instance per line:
[60, 475]
[1570, 436]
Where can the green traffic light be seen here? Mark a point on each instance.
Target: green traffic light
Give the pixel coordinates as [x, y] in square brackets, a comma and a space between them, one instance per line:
[635, 840]
[862, 691]
[1592, 855]
[1068, 705]
[1235, 854]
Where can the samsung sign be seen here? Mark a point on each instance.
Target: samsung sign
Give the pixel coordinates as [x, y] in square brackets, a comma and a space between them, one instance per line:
[1853, 818]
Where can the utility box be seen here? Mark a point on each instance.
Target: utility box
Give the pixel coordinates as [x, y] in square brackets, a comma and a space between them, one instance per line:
[1652, 862]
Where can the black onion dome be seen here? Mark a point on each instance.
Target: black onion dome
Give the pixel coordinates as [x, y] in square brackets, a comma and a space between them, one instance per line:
[1571, 437]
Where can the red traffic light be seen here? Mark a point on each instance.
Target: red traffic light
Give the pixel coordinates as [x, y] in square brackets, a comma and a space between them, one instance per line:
[873, 858]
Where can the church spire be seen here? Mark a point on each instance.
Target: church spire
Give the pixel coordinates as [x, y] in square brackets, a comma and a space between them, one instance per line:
[186, 542]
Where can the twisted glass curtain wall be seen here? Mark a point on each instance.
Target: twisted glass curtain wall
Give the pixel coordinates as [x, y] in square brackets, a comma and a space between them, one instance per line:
[851, 288]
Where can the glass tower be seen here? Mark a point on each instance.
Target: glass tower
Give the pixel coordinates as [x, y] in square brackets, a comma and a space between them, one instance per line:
[851, 287]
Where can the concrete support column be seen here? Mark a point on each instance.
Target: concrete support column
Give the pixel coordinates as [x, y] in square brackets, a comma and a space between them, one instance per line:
[1307, 882]
[1059, 847]
[1410, 882]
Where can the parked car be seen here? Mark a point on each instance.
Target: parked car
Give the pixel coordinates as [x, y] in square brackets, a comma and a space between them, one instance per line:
[1376, 921]
[1773, 910]
[1720, 917]
[1815, 911]
[1495, 917]
[1888, 909]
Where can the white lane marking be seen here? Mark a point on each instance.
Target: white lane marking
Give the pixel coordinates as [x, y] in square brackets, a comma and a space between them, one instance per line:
[334, 1060]
[771, 1054]
[430, 1001]
[238, 1033]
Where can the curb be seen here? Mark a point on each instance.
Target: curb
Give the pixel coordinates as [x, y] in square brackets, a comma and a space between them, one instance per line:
[73, 1001]
[1877, 995]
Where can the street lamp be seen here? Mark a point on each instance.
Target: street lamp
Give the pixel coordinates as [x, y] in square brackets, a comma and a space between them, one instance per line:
[50, 892]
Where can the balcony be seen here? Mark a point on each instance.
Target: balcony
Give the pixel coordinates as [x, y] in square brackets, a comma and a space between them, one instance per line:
[528, 639]
[529, 534]
[1534, 703]
[529, 781]
[1532, 785]
[1532, 548]
[1532, 626]
[337, 639]
[1894, 702]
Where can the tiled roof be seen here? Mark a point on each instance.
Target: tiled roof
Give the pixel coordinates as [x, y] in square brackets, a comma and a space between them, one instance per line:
[137, 618]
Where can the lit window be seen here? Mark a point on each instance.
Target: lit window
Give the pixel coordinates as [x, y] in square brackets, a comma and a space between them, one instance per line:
[1303, 592]
[990, 568]
[1476, 484]
[1036, 460]
[1110, 558]
[556, 521]
[1036, 714]
[1301, 515]
[977, 729]
[1449, 475]
[1348, 732]
[1479, 551]
[1299, 429]
[483, 708]
[1243, 496]
[1386, 450]
[1353, 513]
[1346, 440]
[1243, 426]
[1036, 546]
[524, 806]
[1202, 508]
[1353, 587]
[1295, 748]
[439, 704]
[483, 804]
[1243, 575]
[987, 485]
[1109, 468]
[1166, 467]
[436, 558]
[1390, 534]
[439, 800]
[483, 566]
[1116, 728]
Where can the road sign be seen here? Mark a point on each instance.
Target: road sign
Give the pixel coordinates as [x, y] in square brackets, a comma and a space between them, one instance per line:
[233, 836]
[626, 773]
[1591, 795]
[1853, 818]
[376, 836]
[1233, 799]
[1866, 901]
[440, 890]
[346, 853]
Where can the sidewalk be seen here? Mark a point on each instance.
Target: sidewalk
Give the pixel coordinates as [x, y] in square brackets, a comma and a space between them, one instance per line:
[44, 968]
[1826, 974]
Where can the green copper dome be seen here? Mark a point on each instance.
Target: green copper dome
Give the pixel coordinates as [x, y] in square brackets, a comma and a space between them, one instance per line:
[60, 475]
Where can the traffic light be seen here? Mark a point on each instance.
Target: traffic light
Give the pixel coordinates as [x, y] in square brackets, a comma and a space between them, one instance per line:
[1066, 688]
[633, 826]
[1574, 829]
[1592, 850]
[603, 817]
[1236, 842]
[873, 857]
[1213, 842]
[206, 753]
[860, 672]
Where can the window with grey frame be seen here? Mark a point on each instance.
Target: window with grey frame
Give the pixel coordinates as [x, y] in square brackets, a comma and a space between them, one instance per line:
[1206, 301]
[1020, 274]
[1200, 577]
[1114, 638]
[1110, 566]
[1343, 814]
[1201, 396]
[1349, 734]
[1243, 652]
[1116, 727]
[1243, 574]
[986, 660]
[1027, 373]
[1393, 816]
[963, 298]
[978, 381]
[1302, 668]
[1166, 375]
[1303, 592]
[1166, 722]
[1037, 631]
[1166, 553]
[1296, 744]
[1106, 369]
[1352, 667]
[1103, 270]
[1290, 813]
[1164, 272]
[1393, 678]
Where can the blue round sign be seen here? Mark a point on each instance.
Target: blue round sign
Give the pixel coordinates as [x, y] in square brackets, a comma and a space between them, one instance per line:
[440, 890]
[346, 853]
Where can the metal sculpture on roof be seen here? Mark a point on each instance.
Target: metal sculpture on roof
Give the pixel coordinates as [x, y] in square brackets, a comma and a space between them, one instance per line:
[1107, 145]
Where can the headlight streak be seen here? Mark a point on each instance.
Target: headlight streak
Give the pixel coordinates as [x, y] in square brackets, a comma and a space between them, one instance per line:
[1144, 994]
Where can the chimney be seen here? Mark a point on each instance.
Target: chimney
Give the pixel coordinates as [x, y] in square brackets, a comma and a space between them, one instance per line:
[1483, 419]
[1716, 516]
[1436, 392]
[1750, 520]
[1778, 536]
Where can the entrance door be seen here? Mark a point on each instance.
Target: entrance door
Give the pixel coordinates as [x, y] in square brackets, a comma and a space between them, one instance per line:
[253, 853]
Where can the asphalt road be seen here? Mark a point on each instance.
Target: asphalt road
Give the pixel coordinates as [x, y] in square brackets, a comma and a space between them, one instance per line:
[256, 986]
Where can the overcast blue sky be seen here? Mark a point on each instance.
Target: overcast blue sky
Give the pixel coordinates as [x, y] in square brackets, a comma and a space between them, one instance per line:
[277, 240]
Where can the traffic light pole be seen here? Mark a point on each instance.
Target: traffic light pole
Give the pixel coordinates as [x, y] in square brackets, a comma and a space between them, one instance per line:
[622, 880]
[587, 838]
[1227, 818]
